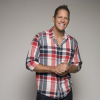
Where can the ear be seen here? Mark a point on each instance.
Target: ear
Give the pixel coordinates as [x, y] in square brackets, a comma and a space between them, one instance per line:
[68, 21]
[53, 18]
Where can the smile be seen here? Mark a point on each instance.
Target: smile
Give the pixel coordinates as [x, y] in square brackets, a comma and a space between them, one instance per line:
[61, 24]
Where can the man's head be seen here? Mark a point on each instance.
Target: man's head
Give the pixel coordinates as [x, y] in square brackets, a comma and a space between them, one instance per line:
[61, 18]
[64, 7]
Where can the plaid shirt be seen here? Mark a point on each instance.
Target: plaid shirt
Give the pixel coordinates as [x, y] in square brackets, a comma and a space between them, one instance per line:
[45, 50]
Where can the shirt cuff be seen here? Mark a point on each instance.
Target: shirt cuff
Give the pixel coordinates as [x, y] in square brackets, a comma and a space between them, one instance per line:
[78, 66]
[31, 67]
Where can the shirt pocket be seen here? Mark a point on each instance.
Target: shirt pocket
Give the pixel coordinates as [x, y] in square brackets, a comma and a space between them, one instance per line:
[69, 54]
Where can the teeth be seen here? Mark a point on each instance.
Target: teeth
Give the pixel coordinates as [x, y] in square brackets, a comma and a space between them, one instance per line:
[61, 24]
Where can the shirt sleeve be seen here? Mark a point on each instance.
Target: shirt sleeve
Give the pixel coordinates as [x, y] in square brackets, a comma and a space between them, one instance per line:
[33, 54]
[76, 60]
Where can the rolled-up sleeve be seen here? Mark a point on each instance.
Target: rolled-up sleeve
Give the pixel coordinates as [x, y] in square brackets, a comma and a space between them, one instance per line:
[33, 54]
[77, 59]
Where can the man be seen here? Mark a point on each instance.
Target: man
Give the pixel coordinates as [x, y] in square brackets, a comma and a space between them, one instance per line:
[53, 55]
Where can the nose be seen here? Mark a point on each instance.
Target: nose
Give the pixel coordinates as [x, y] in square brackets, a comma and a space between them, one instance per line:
[63, 20]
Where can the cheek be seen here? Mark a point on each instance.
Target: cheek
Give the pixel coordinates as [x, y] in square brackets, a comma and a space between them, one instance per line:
[67, 22]
[58, 20]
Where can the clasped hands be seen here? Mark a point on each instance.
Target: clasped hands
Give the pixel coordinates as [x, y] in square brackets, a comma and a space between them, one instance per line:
[62, 69]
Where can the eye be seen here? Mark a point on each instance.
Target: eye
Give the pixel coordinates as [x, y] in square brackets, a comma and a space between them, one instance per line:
[66, 18]
[59, 17]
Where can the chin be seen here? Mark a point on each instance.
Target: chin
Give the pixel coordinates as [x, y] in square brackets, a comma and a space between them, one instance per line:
[61, 30]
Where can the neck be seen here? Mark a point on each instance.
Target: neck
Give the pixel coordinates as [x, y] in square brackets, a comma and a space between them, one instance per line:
[58, 33]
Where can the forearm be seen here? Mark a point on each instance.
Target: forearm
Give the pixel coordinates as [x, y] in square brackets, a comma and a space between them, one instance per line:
[73, 69]
[48, 69]
[44, 69]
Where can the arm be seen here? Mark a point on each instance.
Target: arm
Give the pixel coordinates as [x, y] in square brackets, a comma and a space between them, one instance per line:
[69, 69]
[73, 69]
[33, 54]
[59, 69]
[76, 63]
[44, 69]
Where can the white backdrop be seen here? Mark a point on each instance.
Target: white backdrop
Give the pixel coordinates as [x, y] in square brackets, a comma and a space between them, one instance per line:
[20, 20]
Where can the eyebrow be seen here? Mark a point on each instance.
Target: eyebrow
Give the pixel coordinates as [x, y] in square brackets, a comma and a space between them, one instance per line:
[64, 17]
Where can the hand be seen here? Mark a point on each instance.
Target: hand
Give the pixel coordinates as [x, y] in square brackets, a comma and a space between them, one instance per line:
[61, 69]
[66, 66]
[67, 70]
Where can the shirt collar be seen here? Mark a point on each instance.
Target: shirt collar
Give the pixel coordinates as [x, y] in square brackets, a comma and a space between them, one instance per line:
[51, 34]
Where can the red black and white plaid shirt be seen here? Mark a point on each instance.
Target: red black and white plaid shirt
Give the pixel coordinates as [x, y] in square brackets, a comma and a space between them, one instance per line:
[45, 50]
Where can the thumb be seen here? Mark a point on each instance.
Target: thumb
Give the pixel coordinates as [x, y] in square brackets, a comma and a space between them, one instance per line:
[63, 63]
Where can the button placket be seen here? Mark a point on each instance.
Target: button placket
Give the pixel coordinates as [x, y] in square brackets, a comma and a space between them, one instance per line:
[59, 54]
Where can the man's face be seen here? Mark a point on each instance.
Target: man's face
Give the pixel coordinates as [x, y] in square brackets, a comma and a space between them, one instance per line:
[61, 20]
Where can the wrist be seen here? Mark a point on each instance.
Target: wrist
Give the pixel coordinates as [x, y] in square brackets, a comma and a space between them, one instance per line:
[53, 69]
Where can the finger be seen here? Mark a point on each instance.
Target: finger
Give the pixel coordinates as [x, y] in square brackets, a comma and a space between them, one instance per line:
[60, 72]
[63, 63]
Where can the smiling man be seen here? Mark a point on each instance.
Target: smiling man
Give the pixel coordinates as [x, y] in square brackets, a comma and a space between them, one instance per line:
[53, 55]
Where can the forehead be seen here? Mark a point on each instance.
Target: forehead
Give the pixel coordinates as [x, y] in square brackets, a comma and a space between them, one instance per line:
[62, 12]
